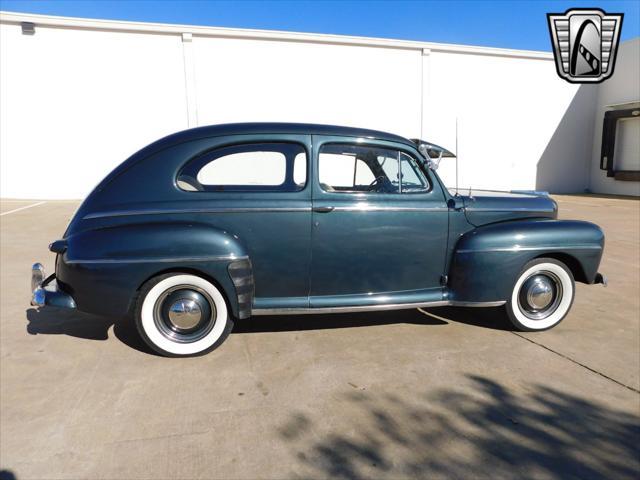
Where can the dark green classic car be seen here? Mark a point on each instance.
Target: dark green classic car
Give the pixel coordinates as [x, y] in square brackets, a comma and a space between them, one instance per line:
[239, 220]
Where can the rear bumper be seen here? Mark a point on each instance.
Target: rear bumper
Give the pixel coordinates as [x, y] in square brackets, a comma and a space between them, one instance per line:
[45, 290]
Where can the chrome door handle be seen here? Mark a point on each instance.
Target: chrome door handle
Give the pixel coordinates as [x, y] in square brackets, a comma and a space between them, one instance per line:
[326, 209]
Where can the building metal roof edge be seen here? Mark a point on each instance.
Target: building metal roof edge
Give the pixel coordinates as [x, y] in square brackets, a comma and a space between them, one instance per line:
[252, 34]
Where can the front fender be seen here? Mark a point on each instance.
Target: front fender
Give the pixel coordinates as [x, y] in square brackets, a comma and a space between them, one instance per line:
[488, 259]
[103, 268]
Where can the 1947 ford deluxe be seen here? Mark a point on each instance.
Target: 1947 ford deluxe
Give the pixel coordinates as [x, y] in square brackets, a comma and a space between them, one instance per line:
[230, 221]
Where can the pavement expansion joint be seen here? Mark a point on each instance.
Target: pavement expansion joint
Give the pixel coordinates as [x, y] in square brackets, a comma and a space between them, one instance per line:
[629, 387]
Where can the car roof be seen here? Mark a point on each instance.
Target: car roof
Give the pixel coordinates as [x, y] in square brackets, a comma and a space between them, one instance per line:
[247, 129]
[274, 128]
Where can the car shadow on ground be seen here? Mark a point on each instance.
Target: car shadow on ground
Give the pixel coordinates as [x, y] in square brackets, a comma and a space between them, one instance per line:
[54, 321]
[477, 429]
[7, 475]
[493, 318]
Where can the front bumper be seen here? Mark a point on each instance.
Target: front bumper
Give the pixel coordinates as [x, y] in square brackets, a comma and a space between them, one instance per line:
[45, 290]
[601, 278]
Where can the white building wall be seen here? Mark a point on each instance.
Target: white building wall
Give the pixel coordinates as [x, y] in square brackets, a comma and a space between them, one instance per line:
[241, 80]
[76, 103]
[508, 110]
[78, 97]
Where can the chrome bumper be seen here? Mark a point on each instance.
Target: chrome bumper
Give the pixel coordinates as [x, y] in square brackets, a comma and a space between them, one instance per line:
[601, 278]
[45, 291]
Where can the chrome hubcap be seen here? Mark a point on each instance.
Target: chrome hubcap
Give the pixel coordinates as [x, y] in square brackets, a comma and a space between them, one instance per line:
[184, 313]
[539, 292]
[540, 295]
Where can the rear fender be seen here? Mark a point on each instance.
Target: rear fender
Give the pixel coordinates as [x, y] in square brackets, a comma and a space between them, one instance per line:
[488, 259]
[104, 268]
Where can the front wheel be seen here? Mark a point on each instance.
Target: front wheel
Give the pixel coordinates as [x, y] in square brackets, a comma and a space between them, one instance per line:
[182, 315]
[542, 295]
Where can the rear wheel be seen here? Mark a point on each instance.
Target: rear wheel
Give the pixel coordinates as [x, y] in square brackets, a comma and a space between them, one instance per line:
[181, 314]
[542, 295]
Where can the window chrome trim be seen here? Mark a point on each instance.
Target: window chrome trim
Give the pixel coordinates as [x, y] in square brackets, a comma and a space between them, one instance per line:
[361, 142]
[525, 249]
[370, 308]
[205, 258]
[204, 158]
[125, 213]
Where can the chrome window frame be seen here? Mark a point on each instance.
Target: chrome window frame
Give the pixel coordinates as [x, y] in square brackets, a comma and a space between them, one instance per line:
[398, 149]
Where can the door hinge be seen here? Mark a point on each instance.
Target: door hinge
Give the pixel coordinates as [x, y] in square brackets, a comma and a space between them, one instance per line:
[444, 279]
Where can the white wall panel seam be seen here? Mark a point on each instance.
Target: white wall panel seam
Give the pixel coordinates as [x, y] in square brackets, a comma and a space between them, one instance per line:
[189, 80]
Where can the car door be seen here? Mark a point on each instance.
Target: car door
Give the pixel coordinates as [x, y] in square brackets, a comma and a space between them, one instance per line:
[258, 188]
[379, 225]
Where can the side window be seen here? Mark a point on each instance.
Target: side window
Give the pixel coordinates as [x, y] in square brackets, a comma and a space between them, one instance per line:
[300, 169]
[412, 178]
[277, 167]
[361, 168]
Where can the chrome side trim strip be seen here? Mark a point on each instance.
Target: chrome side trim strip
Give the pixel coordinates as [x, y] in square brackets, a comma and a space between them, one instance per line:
[370, 308]
[539, 193]
[208, 258]
[498, 303]
[374, 208]
[514, 209]
[524, 249]
[366, 208]
[168, 211]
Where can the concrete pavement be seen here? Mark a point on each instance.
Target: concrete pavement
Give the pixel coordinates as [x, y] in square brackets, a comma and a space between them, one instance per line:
[449, 392]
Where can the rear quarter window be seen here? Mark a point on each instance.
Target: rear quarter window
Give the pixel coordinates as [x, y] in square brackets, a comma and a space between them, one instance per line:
[280, 167]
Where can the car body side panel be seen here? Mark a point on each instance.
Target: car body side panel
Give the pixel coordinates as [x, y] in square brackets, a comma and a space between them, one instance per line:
[488, 259]
[484, 207]
[137, 223]
[102, 269]
[274, 228]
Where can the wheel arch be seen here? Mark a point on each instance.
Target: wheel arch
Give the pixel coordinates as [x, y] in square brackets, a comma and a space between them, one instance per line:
[184, 270]
[487, 260]
[570, 261]
[115, 262]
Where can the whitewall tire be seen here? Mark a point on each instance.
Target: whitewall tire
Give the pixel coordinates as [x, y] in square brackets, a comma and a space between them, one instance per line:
[180, 314]
[542, 295]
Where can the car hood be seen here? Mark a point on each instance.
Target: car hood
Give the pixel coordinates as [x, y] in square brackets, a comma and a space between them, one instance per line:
[484, 207]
